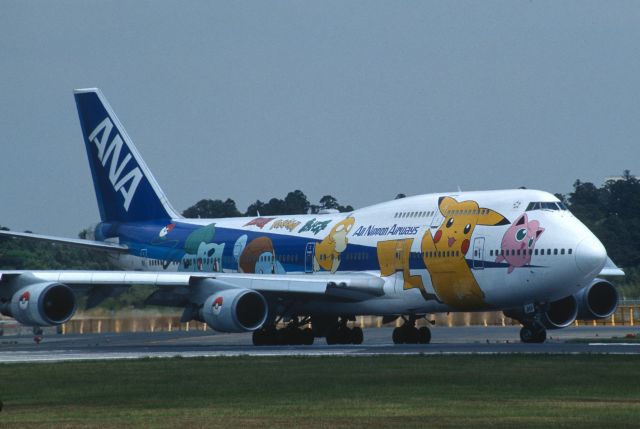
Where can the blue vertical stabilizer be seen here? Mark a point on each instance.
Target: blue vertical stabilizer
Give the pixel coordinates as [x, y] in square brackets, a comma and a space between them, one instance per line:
[125, 188]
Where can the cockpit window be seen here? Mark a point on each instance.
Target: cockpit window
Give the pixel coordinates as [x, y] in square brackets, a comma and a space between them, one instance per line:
[542, 205]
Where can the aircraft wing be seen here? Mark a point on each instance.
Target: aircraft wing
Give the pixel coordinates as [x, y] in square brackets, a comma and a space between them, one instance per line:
[76, 242]
[354, 286]
[611, 269]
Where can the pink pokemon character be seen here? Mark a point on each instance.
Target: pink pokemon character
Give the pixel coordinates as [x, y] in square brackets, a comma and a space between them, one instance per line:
[518, 242]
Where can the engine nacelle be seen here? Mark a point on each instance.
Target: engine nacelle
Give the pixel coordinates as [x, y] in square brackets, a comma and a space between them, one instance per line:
[561, 313]
[235, 310]
[597, 301]
[42, 304]
[558, 314]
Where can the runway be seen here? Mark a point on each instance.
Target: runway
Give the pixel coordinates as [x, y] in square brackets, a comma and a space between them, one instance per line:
[456, 340]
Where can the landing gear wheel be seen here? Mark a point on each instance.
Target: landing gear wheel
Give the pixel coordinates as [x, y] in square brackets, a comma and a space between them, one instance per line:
[424, 335]
[541, 336]
[533, 334]
[307, 336]
[264, 337]
[411, 335]
[342, 334]
[397, 336]
[357, 336]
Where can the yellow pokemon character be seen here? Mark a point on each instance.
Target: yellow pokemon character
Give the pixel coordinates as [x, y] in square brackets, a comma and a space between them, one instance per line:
[444, 253]
[327, 254]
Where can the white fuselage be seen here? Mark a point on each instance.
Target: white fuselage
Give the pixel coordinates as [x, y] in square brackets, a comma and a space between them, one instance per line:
[437, 252]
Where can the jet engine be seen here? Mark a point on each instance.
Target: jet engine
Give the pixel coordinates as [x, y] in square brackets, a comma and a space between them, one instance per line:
[561, 313]
[42, 304]
[558, 314]
[597, 301]
[235, 310]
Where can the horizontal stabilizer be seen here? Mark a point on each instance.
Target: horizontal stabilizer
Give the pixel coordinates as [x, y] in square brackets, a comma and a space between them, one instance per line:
[76, 242]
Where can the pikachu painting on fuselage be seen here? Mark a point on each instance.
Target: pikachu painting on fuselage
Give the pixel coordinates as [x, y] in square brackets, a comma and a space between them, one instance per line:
[444, 253]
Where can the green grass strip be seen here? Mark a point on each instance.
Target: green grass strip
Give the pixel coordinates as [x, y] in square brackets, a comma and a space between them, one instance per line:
[524, 391]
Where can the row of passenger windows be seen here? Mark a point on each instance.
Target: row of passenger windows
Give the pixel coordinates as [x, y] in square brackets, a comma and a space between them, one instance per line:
[159, 262]
[442, 254]
[447, 213]
[358, 256]
[518, 252]
[354, 256]
[362, 256]
[467, 212]
[414, 214]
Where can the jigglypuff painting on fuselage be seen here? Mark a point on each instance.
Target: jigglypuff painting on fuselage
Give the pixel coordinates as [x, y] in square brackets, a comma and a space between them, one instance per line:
[444, 253]
[518, 242]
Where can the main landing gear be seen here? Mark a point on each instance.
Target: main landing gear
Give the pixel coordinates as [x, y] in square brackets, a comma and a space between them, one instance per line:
[409, 334]
[291, 335]
[342, 334]
[533, 332]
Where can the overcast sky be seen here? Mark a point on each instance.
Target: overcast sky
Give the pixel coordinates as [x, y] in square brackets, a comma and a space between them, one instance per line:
[360, 100]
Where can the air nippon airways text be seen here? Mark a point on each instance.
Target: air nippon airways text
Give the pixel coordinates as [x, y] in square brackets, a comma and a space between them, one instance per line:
[112, 149]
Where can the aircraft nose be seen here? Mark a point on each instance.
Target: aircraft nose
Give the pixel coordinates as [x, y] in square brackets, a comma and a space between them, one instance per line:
[590, 256]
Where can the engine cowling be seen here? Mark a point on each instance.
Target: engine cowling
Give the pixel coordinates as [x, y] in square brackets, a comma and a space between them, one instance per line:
[597, 301]
[235, 310]
[558, 314]
[43, 304]
[561, 313]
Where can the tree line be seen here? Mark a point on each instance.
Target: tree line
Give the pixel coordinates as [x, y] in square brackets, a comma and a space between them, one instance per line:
[295, 202]
[611, 211]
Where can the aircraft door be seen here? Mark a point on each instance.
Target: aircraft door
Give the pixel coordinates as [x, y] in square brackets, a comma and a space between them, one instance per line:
[437, 219]
[399, 256]
[309, 253]
[478, 253]
[143, 255]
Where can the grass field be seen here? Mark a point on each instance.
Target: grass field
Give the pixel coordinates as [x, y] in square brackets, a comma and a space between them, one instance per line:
[523, 391]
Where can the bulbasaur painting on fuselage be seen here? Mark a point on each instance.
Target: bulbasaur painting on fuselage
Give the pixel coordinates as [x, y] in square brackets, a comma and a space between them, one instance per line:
[431, 244]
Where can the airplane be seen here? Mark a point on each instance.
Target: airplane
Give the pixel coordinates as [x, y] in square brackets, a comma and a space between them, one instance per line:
[519, 251]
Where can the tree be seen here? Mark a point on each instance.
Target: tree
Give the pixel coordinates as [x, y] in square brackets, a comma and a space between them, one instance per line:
[255, 208]
[612, 213]
[296, 202]
[329, 202]
[205, 209]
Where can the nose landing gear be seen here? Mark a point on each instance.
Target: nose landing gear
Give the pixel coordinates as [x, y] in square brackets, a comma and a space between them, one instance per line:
[533, 332]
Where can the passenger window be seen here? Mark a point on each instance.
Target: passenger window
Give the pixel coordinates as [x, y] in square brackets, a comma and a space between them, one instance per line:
[562, 251]
[570, 251]
[555, 251]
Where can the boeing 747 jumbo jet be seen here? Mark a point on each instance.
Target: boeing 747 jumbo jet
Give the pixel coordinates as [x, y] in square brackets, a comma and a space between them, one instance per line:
[519, 251]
